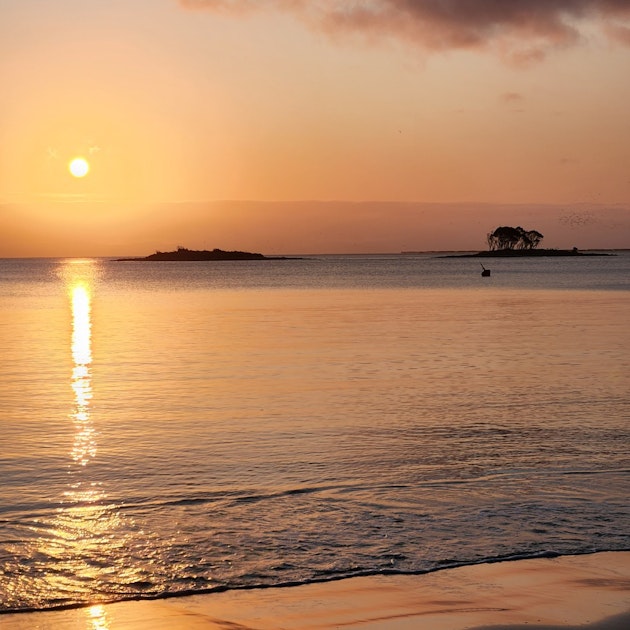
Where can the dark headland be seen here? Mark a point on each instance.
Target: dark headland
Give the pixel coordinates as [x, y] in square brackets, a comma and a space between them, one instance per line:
[184, 254]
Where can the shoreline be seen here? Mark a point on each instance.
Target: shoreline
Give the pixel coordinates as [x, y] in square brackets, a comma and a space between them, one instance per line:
[557, 592]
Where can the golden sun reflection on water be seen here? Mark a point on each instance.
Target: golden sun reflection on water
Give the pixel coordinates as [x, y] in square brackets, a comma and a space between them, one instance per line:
[79, 277]
[82, 537]
[84, 448]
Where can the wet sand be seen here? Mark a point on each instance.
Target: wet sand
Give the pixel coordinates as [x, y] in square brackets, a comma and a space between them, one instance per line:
[590, 592]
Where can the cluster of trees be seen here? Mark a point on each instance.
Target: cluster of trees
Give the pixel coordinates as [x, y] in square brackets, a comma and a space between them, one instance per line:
[506, 237]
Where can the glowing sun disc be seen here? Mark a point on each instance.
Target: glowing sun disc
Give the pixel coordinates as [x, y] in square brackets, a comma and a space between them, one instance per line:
[79, 167]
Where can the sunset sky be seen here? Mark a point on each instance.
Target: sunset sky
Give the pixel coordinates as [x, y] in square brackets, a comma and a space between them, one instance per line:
[312, 126]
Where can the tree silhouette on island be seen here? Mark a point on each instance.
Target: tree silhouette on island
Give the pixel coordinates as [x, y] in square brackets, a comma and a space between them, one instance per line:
[516, 241]
[507, 237]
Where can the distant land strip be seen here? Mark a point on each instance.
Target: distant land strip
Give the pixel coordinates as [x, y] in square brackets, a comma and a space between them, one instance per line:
[184, 254]
[529, 253]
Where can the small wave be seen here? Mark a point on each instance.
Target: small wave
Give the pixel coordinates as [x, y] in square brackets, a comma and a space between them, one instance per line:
[318, 577]
[247, 496]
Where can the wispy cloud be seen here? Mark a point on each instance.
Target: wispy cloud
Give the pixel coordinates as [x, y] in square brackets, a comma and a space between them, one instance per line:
[513, 101]
[522, 31]
[512, 97]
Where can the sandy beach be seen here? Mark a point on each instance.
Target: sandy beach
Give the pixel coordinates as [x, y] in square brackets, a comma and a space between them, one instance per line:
[587, 591]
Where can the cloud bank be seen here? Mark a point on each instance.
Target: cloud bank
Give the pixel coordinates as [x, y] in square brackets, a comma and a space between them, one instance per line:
[521, 31]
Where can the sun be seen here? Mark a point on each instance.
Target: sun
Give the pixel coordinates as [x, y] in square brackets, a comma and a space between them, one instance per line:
[79, 167]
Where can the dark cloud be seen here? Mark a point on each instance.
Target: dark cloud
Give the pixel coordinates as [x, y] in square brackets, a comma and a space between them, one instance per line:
[523, 31]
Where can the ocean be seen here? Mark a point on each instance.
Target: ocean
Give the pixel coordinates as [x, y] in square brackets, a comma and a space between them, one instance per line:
[171, 428]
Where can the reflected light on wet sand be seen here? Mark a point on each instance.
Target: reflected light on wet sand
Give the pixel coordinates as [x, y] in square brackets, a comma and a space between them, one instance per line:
[97, 617]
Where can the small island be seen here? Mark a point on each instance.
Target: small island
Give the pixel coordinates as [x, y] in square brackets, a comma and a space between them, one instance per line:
[185, 254]
[512, 242]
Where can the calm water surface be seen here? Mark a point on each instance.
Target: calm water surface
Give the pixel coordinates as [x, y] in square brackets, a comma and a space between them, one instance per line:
[177, 427]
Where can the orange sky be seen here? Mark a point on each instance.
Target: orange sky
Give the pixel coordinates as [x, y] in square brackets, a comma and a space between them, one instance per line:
[454, 117]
